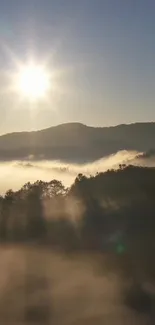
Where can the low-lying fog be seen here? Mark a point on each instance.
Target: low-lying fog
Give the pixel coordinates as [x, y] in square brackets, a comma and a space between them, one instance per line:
[16, 173]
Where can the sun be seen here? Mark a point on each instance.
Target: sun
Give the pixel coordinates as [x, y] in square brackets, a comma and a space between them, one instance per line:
[33, 82]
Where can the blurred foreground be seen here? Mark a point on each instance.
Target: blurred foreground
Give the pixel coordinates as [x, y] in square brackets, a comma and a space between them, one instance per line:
[38, 286]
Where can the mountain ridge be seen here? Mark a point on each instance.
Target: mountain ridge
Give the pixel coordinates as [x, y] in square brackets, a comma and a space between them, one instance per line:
[79, 124]
[77, 142]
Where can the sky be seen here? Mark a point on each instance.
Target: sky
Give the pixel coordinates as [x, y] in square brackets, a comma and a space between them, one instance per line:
[102, 52]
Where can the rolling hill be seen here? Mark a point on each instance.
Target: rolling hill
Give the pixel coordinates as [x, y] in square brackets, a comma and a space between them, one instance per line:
[76, 142]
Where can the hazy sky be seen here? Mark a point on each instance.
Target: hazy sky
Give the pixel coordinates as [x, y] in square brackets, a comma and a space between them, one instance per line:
[103, 49]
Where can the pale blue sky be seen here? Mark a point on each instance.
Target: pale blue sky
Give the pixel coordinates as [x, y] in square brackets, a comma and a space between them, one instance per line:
[106, 49]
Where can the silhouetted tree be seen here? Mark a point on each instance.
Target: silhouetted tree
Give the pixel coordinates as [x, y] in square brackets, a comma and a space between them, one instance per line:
[115, 202]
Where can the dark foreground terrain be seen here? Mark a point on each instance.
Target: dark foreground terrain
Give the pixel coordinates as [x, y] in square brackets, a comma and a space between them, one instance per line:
[41, 287]
[104, 227]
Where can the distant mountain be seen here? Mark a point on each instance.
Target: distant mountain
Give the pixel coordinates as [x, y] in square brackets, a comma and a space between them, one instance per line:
[77, 142]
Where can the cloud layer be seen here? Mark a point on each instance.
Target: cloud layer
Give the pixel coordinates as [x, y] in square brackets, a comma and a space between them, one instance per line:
[14, 174]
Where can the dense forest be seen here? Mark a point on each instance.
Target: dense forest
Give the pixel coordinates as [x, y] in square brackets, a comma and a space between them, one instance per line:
[111, 212]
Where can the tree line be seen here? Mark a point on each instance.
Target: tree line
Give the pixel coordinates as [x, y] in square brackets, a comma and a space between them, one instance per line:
[111, 212]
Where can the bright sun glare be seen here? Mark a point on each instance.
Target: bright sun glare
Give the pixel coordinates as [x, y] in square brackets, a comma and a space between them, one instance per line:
[33, 82]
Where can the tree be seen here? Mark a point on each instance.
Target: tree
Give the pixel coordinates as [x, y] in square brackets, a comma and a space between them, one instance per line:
[6, 210]
[35, 220]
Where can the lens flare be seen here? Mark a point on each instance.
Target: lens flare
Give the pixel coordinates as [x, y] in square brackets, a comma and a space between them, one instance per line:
[33, 82]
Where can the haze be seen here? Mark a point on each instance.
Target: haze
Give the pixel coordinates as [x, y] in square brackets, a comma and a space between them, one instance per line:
[77, 128]
[102, 53]
[15, 174]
